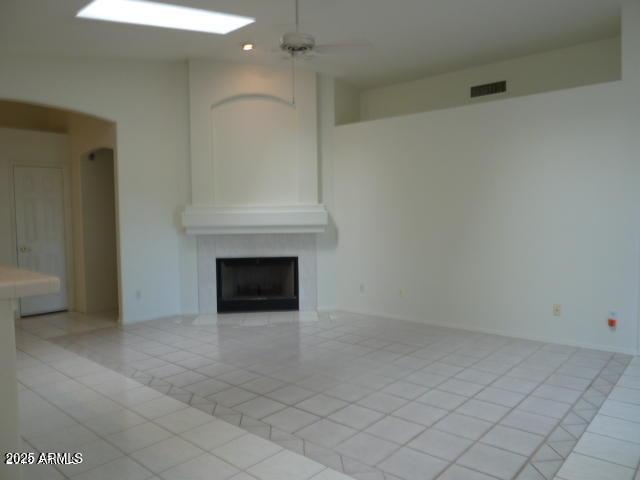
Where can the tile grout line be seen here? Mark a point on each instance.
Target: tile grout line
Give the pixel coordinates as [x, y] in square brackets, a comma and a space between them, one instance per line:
[636, 470]
[476, 441]
[436, 360]
[147, 420]
[559, 425]
[478, 359]
[433, 360]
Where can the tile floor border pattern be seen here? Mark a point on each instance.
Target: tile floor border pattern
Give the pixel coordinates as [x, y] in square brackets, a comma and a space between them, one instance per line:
[549, 457]
[541, 464]
[65, 408]
[610, 446]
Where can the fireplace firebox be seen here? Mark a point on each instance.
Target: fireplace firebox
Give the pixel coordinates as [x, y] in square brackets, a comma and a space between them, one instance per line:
[257, 284]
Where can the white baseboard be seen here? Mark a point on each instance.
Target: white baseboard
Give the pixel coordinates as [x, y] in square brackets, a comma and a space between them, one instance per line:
[570, 343]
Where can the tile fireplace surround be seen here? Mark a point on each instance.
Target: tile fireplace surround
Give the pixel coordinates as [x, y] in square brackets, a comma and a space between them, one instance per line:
[211, 247]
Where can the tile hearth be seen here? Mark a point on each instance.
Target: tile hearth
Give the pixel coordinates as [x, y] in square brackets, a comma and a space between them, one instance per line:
[377, 399]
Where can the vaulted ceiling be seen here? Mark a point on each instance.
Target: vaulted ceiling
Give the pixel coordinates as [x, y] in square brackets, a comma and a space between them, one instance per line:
[409, 38]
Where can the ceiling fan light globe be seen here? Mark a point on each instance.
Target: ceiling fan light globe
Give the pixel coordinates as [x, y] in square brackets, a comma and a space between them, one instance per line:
[296, 43]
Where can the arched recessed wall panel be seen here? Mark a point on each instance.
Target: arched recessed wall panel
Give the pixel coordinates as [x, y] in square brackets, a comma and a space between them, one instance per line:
[235, 108]
[254, 151]
[254, 148]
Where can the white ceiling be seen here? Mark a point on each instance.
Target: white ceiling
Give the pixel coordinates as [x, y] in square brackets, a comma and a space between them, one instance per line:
[410, 38]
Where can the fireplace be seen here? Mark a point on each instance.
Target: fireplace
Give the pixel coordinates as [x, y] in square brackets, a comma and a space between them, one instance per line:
[257, 284]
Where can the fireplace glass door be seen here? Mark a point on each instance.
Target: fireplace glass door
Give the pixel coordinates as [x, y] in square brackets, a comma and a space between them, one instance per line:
[257, 284]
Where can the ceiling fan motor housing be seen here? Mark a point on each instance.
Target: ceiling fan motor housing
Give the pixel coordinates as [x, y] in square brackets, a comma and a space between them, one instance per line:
[297, 43]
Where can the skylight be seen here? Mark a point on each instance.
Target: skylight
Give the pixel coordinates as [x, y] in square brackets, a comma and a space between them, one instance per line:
[155, 14]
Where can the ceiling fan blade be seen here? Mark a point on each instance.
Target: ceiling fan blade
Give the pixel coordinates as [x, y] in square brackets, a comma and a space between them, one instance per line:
[342, 47]
[278, 52]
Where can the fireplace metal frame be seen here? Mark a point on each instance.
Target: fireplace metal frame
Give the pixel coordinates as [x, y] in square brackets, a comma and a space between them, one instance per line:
[262, 304]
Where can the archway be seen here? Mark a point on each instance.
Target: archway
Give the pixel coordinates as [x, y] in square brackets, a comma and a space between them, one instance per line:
[75, 153]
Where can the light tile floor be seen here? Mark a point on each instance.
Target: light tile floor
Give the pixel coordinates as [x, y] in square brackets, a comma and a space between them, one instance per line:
[373, 398]
[610, 448]
[128, 431]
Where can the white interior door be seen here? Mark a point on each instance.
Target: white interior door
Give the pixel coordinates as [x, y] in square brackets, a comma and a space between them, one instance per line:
[39, 203]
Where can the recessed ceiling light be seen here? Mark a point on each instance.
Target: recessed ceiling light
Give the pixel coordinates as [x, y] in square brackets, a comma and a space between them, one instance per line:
[142, 12]
[247, 47]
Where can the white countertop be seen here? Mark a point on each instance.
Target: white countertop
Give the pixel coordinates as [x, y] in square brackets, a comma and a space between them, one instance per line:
[16, 283]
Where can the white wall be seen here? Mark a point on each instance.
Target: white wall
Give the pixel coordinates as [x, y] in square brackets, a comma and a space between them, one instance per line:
[584, 64]
[347, 103]
[148, 101]
[483, 217]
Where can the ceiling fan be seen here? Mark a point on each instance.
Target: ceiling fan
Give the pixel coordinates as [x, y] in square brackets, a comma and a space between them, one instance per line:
[297, 44]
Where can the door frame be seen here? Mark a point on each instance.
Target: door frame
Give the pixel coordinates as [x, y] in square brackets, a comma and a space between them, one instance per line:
[68, 227]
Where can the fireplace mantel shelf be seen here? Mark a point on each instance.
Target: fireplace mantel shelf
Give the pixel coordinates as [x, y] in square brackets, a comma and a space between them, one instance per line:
[211, 219]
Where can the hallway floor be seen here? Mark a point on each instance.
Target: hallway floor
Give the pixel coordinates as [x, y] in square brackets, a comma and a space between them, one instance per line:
[374, 398]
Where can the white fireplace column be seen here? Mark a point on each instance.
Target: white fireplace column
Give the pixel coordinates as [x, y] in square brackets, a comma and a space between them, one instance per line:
[254, 151]
[254, 168]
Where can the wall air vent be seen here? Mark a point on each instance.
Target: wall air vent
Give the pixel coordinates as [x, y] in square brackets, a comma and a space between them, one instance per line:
[488, 89]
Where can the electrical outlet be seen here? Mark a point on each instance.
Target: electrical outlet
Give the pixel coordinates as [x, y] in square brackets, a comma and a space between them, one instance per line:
[557, 310]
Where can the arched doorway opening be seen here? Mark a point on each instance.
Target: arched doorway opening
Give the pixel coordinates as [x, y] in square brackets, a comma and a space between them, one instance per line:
[58, 212]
